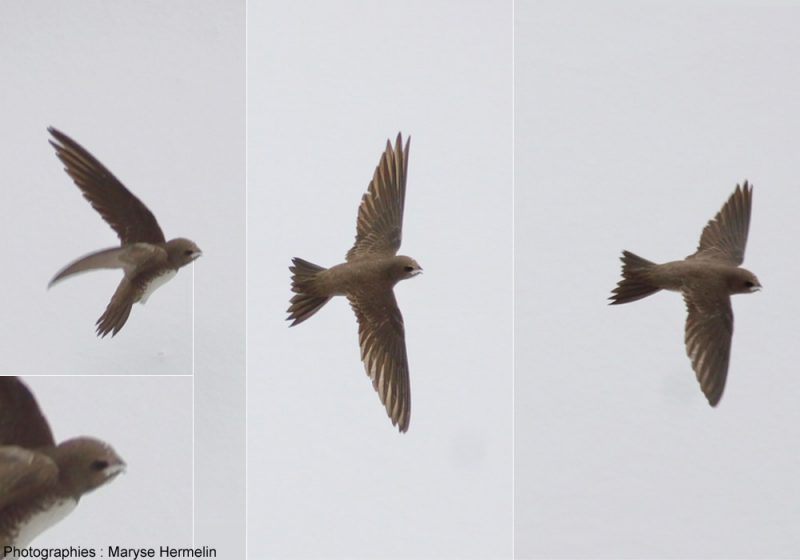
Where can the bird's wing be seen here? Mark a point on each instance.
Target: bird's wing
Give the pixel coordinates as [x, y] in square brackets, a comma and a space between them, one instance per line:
[130, 290]
[709, 329]
[125, 213]
[381, 336]
[379, 227]
[724, 238]
[24, 474]
[21, 421]
[106, 258]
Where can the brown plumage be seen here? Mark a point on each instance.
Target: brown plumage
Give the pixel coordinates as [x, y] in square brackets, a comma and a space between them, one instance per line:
[706, 279]
[146, 257]
[367, 279]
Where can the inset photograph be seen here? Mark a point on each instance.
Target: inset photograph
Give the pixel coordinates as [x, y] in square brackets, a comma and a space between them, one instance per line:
[96, 463]
[125, 166]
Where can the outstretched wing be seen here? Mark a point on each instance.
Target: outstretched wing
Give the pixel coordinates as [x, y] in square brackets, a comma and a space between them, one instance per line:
[379, 228]
[381, 336]
[725, 237]
[709, 329]
[125, 213]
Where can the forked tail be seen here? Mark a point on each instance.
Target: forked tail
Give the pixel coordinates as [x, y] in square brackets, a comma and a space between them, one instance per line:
[635, 283]
[306, 302]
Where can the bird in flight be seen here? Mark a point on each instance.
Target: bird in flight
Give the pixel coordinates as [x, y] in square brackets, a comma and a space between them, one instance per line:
[706, 279]
[367, 279]
[147, 259]
[41, 482]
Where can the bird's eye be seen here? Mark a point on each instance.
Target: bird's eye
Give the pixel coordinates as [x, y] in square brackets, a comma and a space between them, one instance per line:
[99, 465]
[408, 268]
[749, 284]
[188, 252]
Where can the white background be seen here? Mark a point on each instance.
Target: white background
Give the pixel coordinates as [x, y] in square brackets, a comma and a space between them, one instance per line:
[634, 122]
[329, 477]
[155, 90]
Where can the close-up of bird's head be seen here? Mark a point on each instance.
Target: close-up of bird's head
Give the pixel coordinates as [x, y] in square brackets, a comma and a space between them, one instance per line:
[40, 481]
[86, 464]
[147, 259]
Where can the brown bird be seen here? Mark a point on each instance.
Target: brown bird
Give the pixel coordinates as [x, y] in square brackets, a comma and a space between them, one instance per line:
[146, 257]
[367, 280]
[41, 482]
[706, 279]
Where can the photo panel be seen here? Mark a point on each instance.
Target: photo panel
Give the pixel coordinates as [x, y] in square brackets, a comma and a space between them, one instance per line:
[329, 84]
[147, 100]
[634, 125]
[155, 93]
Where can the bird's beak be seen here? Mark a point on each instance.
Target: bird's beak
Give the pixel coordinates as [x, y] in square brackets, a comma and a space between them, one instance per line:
[114, 470]
[197, 255]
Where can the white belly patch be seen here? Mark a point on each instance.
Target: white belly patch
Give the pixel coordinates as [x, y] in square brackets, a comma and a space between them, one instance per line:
[43, 520]
[156, 283]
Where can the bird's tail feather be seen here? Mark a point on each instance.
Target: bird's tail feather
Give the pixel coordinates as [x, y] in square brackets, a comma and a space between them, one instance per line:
[635, 283]
[107, 258]
[306, 302]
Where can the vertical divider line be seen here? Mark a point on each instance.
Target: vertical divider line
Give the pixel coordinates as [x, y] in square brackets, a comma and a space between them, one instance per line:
[194, 450]
[513, 288]
[246, 299]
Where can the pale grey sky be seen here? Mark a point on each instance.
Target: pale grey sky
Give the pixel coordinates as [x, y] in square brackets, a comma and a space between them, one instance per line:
[634, 122]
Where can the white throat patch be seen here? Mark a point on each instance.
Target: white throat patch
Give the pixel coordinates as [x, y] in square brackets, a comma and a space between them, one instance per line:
[43, 520]
[156, 283]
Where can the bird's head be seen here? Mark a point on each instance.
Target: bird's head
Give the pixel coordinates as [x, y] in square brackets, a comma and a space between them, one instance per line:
[86, 463]
[743, 282]
[182, 251]
[405, 267]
